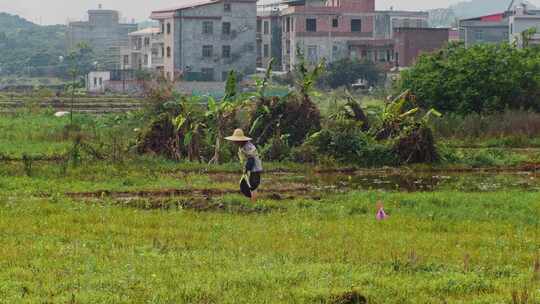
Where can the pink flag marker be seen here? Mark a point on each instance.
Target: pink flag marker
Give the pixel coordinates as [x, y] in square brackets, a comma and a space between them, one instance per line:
[381, 215]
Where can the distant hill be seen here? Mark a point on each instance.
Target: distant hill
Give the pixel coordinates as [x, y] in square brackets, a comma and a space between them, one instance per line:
[28, 48]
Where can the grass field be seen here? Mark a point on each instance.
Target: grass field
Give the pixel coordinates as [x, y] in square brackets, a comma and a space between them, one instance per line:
[148, 230]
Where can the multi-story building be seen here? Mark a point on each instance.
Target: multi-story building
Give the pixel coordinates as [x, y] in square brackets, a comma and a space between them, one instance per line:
[269, 35]
[205, 39]
[338, 29]
[104, 33]
[507, 26]
[522, 21]
[145, 50]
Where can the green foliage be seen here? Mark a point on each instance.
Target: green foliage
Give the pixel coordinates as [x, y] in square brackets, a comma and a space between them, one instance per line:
[348, 144]
[277, 149]
[346, 72]
[481, 78]
[30, 49]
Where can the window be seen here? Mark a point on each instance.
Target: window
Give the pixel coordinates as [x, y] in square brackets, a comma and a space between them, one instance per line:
[126, 59]
[226, 51]
[100, 81]
[227, 7]
[335, 22]
[207, 51]
[478, 35]
[381, 56]
[288, 24]
[163, 28]
[259, 26]
[168, 52]
[226, 28]
[224, 76]
[311, 25]
[208, 27]
[288, 46]
[146, 41]
[259, 48]
[312, 54]
[168, 28]
[162, 52]
[207, 74]
[356, 25]
[95, 81]
[266, 51]
[145, 59]
[266, 27]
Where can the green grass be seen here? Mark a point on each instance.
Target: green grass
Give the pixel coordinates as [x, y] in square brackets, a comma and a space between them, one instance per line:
[438, 247]
[58, 250]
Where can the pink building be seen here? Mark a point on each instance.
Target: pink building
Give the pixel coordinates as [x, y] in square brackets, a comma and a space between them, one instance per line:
[338, 29]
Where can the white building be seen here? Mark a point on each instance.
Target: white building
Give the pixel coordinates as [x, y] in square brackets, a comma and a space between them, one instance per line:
[145, 50]
[95, 81]
[521, 22]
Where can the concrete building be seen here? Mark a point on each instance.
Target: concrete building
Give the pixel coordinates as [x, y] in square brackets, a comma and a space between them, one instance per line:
[269, 35]
[96, 81]
[338, 29]
[507, 26]
[484, 29]
[205, 39]
[412, 42]
[145, 50]
[104, 33]
[521, 21]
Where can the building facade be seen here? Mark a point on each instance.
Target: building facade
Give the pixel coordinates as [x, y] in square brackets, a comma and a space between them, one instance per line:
[269, 36]
[520, 23]
[145, 50]
[104, 33]
[484, 29]
[410, 43]
[338, 29]
[205, 39]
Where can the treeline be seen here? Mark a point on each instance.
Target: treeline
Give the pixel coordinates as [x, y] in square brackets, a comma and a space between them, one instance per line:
[30, 49]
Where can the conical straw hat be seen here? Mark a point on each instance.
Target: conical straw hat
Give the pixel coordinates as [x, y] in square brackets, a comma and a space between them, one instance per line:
[238, 135]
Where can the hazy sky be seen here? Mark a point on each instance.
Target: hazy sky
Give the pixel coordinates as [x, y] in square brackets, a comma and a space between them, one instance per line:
[58, 11]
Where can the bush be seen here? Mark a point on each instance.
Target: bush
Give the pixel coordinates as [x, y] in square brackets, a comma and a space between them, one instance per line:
[481, 78]
[277, 149]
[345, 72]
[292, 116]
[346, 143]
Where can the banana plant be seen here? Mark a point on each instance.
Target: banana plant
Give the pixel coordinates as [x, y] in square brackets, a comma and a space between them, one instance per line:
[306, 78]
[190, 127]
[221, 113]
[398, 113]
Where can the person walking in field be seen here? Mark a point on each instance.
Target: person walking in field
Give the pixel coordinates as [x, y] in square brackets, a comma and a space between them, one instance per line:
[251, 162]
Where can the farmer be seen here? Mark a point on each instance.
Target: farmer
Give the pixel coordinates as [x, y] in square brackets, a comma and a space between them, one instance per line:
[249, 157]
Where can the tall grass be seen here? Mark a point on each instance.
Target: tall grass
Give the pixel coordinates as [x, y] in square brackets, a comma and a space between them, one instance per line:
[512, 128]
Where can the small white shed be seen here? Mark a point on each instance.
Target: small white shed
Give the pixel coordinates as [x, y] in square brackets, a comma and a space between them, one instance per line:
[95, 81]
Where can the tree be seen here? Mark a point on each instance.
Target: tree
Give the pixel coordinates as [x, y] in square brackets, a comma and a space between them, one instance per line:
[482, 78]
[221, 113]
[345, 72]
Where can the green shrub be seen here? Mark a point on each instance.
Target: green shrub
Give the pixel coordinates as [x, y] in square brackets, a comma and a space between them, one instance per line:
[346, 143]
[481, 78]
[277, 149]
